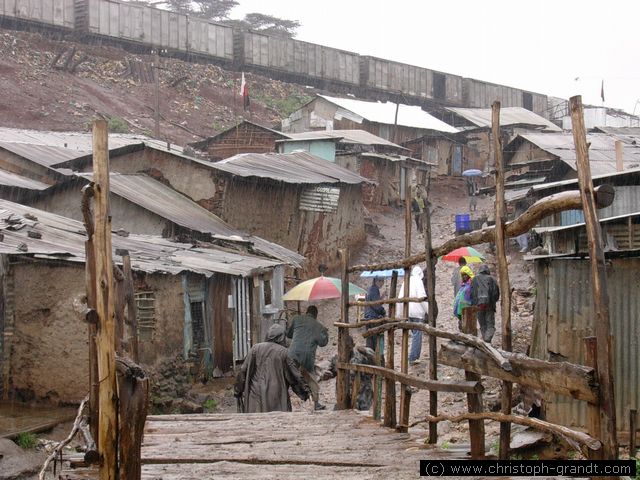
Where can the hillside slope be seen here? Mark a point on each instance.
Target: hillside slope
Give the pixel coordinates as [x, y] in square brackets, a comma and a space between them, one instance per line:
[39, 90]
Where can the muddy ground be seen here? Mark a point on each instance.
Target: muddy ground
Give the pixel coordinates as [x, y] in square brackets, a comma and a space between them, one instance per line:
[448, 199]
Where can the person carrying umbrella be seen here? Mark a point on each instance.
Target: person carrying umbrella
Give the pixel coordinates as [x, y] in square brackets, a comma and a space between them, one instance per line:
[307, 334]
[463, 297]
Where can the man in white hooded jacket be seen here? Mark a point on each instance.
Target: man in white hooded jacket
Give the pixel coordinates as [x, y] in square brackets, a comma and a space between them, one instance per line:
[417, 310]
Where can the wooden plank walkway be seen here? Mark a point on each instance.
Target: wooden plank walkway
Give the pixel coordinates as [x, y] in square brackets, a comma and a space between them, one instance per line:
[319, 445]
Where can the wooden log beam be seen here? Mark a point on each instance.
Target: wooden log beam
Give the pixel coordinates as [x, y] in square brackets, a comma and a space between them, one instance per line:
[457, 386]
[342, 380]
[503, 274]
[133, 388]
[390, 385]
[405, 399]
[470, 340]
[474, 400]
[600, 297]
[432, 313]
[386, 301]
[574, 381]
[578, 440]
[105, 338]
[593, 409]
[368, 323]
[544, 207]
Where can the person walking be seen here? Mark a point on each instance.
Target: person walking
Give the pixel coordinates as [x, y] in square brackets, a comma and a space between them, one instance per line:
[485, 293]
[463, 297]
[262, 385]
[307, 334]
[456, 278]
[371, 312]
[417, 310]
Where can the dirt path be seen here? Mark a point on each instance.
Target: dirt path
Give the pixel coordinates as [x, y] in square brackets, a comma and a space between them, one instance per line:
[449, 199]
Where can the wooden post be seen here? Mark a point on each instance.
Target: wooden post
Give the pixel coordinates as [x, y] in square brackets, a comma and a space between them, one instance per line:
[432, 314]
[133, 389]
[94, 386]
[619, 156]
[377, 386]
[342, 380]
[390, 385]
[503, 270]
[132, 308]
[405, 400]
[156, 116]
[593, 409]
[633, 426]
[474, 400]
[598, 285]
[108, 419]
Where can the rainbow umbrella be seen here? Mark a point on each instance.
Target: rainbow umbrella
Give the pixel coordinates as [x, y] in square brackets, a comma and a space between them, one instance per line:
[320, 288]
[470, 254]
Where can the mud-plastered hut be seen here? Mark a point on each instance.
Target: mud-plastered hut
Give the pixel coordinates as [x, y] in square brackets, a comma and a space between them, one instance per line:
[203, 303]
[244, 137]
[296, 200]
[381, 161]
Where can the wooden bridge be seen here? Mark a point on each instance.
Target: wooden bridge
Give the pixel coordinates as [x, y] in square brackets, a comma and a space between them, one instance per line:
[283, 445]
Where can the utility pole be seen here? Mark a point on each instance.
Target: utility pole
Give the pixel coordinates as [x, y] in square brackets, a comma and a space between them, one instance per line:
[156, 70]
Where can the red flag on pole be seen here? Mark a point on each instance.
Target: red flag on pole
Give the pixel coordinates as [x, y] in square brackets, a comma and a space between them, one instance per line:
[244, 92]
[602, 90]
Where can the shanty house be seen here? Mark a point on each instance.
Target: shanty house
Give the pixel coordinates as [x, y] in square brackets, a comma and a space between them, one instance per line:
[548, 157]
[296, 200]
[472, 148]
[398, 123]
[200, 302]
[372, 157]
[564, 316]
[245, 137]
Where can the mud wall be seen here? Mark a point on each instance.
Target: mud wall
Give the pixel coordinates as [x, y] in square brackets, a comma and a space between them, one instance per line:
[274, 214]
[190, 178]
[49, 348]
[125, 215]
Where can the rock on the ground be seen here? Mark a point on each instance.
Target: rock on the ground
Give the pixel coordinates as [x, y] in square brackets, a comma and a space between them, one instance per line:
[16, 462]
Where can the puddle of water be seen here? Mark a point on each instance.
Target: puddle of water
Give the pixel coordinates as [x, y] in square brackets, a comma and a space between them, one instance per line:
[16, 417]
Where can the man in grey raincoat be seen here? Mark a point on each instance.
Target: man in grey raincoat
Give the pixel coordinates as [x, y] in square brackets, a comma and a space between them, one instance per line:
[485, 293]
[307, 334]
[266, 375]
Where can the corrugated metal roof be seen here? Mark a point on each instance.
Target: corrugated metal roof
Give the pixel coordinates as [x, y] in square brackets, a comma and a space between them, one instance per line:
[481, 117]
[359, 137]
[63, 239]
[13, 180]
[602, 152]
[168, 203]
[204, 143]
[582, 224]
[563, 317]
[408, 115]
[70, 140]
[399, 158]
[45, 155]
[574, 182]
[295, 168]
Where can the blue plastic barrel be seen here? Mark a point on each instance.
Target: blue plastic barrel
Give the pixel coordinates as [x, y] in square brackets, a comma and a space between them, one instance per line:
[463, 223]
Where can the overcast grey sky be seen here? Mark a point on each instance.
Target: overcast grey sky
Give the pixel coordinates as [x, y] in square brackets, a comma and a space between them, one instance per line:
[541, 45]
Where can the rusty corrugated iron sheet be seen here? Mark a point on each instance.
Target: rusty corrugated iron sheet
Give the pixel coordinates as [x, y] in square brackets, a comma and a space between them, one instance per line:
[62, 238]
[168, 203]
[481, 117]
[296, 168]
[9, 179]
[564, 316]
[602, 151]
